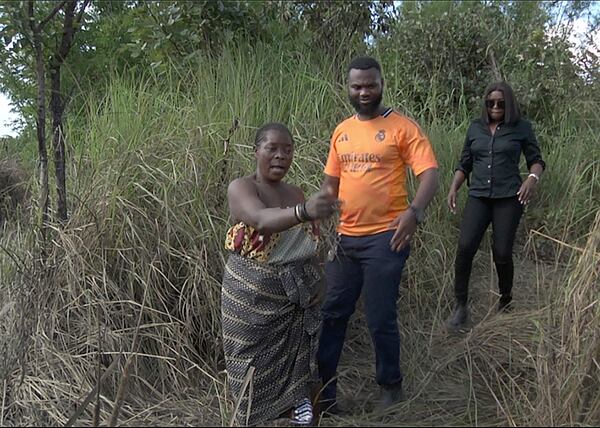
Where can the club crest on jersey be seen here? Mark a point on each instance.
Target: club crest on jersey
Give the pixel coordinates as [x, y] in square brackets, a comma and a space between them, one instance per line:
[380, 136]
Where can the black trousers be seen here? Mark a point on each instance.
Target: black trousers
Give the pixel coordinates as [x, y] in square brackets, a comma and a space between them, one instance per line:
[504, 214]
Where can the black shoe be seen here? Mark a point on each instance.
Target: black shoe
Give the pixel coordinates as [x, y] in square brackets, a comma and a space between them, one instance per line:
[505, 303]
[459, 318]
[389, 395]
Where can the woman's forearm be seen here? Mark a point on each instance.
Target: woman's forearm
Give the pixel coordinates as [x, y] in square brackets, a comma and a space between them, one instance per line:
[458, 180]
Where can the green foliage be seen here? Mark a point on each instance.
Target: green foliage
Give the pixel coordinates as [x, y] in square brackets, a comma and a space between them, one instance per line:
[134, 36]
[162, 119]
[17, 58]
[441, 53]
[338, 29]
[179, 29]
[17, 71]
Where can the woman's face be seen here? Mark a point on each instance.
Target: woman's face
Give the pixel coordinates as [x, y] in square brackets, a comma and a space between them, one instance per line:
[495, 106]
[274, 155]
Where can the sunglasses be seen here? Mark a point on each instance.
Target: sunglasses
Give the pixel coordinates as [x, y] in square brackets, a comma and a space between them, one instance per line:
[492, 103]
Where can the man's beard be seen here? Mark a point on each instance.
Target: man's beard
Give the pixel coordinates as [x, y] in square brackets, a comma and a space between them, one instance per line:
[366, 110]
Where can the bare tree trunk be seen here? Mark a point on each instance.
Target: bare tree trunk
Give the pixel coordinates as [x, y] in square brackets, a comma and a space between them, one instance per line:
[58, 140]
[57, 109]
[44, 201]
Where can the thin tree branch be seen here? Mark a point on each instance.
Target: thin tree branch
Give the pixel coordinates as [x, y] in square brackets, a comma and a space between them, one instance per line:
[49, 17]
[494, 65]
[67, 37]
[30, 16]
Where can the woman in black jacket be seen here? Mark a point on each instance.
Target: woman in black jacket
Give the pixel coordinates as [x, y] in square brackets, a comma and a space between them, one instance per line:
[497, 194]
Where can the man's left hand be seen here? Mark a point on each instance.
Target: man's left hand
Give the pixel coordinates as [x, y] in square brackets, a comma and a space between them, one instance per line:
[406, 226]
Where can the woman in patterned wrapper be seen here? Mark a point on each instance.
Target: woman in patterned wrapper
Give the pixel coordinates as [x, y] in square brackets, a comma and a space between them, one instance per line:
[269, 305]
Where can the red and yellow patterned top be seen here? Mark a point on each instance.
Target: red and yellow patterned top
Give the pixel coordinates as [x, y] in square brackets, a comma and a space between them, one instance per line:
[297, 243]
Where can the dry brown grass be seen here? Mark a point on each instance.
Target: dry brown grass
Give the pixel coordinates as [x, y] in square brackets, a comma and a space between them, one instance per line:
[535, 366]
[122, 324]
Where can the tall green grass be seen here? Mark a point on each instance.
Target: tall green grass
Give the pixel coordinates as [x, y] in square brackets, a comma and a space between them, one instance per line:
[135, 275]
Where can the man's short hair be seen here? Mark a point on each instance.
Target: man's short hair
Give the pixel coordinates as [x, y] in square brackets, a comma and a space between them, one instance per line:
[364, 63]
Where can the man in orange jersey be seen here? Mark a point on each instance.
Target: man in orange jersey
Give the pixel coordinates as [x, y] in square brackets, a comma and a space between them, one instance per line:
[366, 170]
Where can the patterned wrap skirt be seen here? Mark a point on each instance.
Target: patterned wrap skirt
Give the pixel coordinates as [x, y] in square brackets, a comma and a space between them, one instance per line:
[270, 321]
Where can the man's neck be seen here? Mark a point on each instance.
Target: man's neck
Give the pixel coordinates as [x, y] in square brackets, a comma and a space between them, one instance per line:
[378, 111]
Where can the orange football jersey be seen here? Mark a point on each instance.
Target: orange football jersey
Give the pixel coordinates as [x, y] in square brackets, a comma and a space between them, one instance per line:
[370, 158]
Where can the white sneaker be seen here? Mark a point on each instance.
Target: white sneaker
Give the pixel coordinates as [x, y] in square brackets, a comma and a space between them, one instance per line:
[303, 413]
